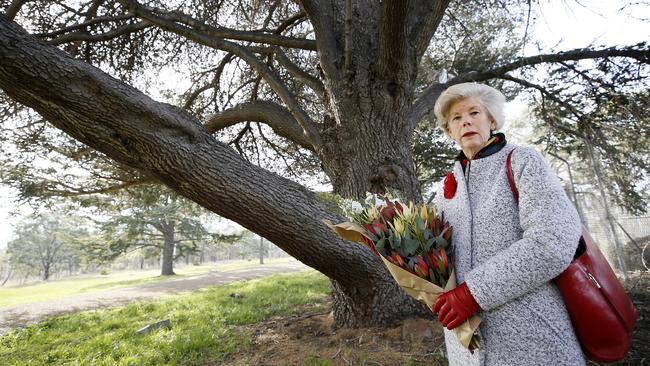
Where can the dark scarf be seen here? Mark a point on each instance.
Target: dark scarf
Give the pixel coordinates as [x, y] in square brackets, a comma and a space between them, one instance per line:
[496, 142]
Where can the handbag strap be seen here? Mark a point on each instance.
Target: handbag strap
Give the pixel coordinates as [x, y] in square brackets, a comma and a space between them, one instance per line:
[511, 177]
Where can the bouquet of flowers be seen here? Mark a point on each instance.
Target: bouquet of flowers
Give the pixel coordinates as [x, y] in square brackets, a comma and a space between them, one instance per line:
[414, 242]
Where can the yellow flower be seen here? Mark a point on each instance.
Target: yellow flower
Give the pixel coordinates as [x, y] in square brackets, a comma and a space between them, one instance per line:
[398, 226]
[424, 213]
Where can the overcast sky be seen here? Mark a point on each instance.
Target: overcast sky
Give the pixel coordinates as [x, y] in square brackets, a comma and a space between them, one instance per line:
[563, 25]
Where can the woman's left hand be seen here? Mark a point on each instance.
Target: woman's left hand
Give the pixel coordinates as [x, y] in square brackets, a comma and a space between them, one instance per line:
[455, 306]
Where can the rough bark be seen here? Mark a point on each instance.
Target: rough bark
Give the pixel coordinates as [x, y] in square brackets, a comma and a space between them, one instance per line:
[369, 84]
[165, 142]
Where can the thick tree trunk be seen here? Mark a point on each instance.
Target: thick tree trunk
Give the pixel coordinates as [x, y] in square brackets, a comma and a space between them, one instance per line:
[46, 271]
[168, 249]
[166, 143]
[7, 277]
[367, 135]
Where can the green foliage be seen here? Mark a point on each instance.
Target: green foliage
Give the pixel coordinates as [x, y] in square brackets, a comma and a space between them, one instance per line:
[433, 154]
[617, 126]
[204, 326]
[47, 243]
[149, 217]
[332, 202]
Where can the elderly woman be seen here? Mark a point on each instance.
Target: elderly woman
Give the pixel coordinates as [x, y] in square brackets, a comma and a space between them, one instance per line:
[506, 253]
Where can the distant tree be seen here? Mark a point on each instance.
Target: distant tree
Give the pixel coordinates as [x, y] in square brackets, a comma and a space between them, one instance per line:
[46, 244]
[5, 268]
[152, 217]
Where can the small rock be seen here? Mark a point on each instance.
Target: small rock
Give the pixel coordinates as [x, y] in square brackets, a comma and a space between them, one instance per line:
[151, 327]
[236, 296]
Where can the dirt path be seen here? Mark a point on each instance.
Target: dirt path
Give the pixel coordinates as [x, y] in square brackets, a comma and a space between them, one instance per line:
[22, 315]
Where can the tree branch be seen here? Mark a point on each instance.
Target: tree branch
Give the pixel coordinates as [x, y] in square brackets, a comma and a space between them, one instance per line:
[321, 15]
[75, 192]
[13, 8]
[424, 103]
[274, 82]
[165, 142]
[291, 21]
[426, 100]
[551, 96]
[83, 25]
[214, 83]
[87, 37]
[428, 18]
[313, 82]
[272, 114]
[393, 35]
[222, 32]
[636, 52]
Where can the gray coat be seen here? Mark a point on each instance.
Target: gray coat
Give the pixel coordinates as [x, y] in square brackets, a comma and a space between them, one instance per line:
[508, 254]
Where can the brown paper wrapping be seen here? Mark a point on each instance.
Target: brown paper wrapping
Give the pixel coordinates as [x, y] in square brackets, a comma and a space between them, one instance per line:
[427, 292]
[347, 230]
[417, 287]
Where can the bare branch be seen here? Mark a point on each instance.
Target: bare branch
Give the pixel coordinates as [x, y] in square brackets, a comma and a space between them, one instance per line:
[639, 52]
[424, 103]
[222, 32]
[86, 37]
[547, 94]
[214, 83]
[272, 114]
[13, 8]
[274, 82]
[426, 100]
[300, 74]
[83, 25]
[269, 16]
[75, 192]
[290, 22]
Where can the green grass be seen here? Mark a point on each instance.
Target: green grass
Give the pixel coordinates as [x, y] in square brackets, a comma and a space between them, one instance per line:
[54, 289]
[203, 326]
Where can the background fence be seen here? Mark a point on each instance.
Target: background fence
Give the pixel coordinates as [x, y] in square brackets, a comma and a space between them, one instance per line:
[629, 233]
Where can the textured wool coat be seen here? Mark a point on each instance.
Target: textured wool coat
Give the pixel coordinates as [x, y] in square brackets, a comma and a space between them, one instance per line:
[508, 253]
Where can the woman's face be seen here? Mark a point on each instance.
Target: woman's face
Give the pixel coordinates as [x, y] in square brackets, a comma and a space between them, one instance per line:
[470, 125]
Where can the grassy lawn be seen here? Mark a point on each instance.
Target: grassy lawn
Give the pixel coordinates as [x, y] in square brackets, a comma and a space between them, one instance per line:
[11, 296]
[203, 326]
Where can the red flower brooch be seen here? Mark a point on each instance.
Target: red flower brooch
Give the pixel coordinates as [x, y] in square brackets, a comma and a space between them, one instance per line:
[449, 186]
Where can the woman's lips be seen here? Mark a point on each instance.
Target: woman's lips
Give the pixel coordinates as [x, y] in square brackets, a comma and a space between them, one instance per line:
[467, 134]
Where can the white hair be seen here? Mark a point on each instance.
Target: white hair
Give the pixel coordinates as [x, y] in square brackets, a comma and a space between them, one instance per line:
[492, 99]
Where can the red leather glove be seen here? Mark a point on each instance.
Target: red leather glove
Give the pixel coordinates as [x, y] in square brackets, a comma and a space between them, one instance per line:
[455, 306]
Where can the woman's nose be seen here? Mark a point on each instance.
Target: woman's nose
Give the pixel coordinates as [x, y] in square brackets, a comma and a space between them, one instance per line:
[466, 121]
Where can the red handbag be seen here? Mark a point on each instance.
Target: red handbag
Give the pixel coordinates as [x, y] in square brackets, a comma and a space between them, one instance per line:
[602, 314]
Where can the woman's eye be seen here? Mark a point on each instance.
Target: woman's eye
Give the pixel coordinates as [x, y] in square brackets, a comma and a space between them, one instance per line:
[474, 113]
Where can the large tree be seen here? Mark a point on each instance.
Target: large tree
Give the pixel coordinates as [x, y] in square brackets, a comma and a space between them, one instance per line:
[340, 80]
[47, 244]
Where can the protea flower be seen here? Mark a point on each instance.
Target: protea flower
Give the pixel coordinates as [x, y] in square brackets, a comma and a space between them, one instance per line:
[421, 268]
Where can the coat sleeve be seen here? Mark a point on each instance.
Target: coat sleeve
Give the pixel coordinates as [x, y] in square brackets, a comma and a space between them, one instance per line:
[551, 231]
